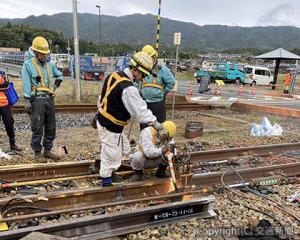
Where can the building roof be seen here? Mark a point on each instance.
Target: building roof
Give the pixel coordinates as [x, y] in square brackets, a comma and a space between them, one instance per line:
[279, 53]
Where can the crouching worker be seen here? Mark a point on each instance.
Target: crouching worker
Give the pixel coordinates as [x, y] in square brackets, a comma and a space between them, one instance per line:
[120, 100]
[151, 151]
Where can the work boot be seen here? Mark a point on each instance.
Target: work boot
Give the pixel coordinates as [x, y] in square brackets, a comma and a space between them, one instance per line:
[50, 155]
[15, 148]
[116, 179]
[137, 176]
[106, 182]
[39, 158]
[162, 171]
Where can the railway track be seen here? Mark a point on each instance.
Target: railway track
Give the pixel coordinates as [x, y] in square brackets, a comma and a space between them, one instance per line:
[33, 172]
[112, 224]
[81, 108]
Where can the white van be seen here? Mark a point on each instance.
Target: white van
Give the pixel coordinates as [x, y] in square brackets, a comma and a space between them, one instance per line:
[256, 75]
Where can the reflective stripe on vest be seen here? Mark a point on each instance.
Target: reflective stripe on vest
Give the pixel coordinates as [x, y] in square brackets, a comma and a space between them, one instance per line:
[43, 87]
[103, 104]
[3, 99]
[153, 84]
[153, 136]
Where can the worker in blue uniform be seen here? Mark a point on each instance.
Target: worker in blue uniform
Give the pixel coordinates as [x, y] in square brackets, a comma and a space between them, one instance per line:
[156, 86]
[38, 87]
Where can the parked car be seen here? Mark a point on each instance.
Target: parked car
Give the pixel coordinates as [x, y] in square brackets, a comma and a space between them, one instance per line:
[256, 75]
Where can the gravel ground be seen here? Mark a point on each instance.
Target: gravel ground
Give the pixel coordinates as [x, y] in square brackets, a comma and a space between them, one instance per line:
[74, 130]
[230, 217]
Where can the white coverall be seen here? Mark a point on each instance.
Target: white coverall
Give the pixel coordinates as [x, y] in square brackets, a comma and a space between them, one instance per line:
[149, 153]
[114, 145]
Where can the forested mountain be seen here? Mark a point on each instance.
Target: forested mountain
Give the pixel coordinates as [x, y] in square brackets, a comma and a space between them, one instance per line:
[136, 30]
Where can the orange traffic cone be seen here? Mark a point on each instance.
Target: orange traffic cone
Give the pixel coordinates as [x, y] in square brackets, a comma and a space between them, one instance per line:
[252, 90]
[241, 90]
[217, 90]
[190, 89]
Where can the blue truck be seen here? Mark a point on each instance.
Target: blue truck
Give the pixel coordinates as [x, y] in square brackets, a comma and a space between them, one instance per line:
[88, 71]
[226, 71]
[122, 63]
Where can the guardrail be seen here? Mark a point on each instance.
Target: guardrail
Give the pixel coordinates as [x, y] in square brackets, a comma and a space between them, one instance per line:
[11, 69]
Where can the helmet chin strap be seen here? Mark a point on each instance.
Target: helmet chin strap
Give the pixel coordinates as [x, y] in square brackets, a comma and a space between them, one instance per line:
[36, 54]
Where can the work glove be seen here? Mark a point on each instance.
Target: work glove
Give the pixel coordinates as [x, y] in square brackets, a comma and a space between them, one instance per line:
[27, 105]
[162, 133]
[57, 83]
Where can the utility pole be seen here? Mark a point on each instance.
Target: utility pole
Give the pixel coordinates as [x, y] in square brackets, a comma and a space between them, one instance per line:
[76, 51]
[294, 77]
[98, 6]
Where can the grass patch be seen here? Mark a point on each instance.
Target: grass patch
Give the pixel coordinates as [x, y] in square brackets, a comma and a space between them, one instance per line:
[185, 76]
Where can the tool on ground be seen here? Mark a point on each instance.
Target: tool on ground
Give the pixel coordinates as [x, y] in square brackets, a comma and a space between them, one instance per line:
[169, 156]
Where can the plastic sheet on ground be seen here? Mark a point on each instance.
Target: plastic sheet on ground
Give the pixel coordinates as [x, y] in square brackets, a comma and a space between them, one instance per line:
[265, 128]
[294, 198]
[4, 155]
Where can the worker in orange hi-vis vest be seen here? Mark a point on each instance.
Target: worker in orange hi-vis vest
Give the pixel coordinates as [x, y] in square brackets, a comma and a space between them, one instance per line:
[5, 113]
[287, 82]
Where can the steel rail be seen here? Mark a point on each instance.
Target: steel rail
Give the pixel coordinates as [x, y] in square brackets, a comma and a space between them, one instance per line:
[170, 197]
[17, 173]
[31, 172]
[221, 154]
[114, 224]
[81, 108]
[248, 174]
[86, 197]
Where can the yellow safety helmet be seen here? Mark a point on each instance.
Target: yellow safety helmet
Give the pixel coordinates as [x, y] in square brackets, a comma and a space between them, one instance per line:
[150, 51]
[40, 44]
[143, 62]
[170, 127]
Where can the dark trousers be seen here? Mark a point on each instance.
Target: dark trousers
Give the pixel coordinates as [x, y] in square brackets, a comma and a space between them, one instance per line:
[8, 121]
[159, 111]
[43, 123]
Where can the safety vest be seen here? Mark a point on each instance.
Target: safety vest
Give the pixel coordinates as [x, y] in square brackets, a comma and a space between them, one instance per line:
[111, 106]
[287, 79]
[153, 138]
[43, 87]
[153, 84]
[3, 97]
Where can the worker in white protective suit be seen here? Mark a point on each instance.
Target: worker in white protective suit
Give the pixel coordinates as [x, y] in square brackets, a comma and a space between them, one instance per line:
[120, 100]
[150, 152]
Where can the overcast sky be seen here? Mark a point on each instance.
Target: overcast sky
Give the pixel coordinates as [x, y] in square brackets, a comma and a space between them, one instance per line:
[201, 12]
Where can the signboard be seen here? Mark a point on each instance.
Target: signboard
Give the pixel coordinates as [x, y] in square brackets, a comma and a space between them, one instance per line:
[177, 38]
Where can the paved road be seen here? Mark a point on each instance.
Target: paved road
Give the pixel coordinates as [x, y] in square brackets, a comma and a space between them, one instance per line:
[231, 92]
